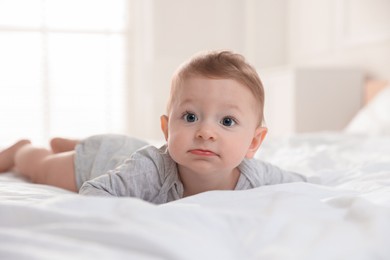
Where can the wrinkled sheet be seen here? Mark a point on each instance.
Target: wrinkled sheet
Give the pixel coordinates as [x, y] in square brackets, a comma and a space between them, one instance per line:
[343, 213]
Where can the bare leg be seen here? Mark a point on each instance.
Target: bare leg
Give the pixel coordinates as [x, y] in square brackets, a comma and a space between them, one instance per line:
[42, 166]
[7, 155]
[60, 145]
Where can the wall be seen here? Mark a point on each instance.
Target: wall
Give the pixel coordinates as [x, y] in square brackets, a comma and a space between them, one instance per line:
[270, 33]
[168, 32]
[341, 32]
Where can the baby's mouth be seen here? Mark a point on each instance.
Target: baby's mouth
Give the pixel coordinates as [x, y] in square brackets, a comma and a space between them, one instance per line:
[202, 152]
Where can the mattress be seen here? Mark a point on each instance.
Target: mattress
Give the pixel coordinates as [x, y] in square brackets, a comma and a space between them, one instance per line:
[343, 212]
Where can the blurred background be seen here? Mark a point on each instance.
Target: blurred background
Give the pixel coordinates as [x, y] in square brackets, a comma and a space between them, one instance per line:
[76, 68]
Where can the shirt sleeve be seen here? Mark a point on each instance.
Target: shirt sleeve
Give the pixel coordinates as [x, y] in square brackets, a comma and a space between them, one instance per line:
[137, 177]
[276, 175]
[261, 173]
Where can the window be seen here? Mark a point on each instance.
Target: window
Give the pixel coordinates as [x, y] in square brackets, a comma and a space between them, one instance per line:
[62, 68]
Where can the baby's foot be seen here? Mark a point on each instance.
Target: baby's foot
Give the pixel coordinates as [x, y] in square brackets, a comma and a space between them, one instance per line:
[60, 145]
[8, 154]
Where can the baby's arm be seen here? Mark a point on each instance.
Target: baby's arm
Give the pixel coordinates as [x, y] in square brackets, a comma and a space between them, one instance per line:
[268, 174]
[136, 177]
[277, 175]
[121, 182]
[101, 186]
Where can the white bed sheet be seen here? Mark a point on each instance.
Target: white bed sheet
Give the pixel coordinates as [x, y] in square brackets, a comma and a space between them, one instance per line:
[343, 214]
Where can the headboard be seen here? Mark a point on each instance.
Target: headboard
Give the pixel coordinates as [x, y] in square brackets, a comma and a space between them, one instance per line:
[310, 99]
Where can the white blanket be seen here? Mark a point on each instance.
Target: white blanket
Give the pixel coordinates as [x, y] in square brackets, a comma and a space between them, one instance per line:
[343, 214]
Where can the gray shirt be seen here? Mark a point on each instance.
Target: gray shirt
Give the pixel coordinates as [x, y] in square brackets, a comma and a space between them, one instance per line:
[151, 174]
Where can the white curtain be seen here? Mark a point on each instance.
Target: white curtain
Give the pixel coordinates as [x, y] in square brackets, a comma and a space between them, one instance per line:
[62, 68]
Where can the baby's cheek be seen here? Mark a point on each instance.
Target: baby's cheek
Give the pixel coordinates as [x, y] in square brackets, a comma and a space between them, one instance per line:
[173, 147]
[175, 154]
[238, 152]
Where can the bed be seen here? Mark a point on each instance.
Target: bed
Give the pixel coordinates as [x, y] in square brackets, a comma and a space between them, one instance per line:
[342, 213]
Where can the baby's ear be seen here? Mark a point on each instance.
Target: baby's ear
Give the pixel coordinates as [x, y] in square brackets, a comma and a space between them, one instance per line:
[164, 126]
[258, 138]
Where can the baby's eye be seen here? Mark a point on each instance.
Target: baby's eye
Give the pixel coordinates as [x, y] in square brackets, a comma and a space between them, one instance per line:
[190, 117]
[228, 121]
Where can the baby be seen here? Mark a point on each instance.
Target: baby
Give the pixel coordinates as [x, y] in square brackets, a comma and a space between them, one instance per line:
[213, 128]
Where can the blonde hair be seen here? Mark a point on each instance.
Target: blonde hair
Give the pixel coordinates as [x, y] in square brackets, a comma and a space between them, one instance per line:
[220, 65]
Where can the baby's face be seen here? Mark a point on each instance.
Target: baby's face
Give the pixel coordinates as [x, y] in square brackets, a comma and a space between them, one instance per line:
[213, 125]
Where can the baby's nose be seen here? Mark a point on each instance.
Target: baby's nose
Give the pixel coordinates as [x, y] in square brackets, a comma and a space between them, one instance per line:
[206, 132]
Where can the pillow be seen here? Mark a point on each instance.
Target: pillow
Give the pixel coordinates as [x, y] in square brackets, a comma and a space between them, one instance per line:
[374, 118]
